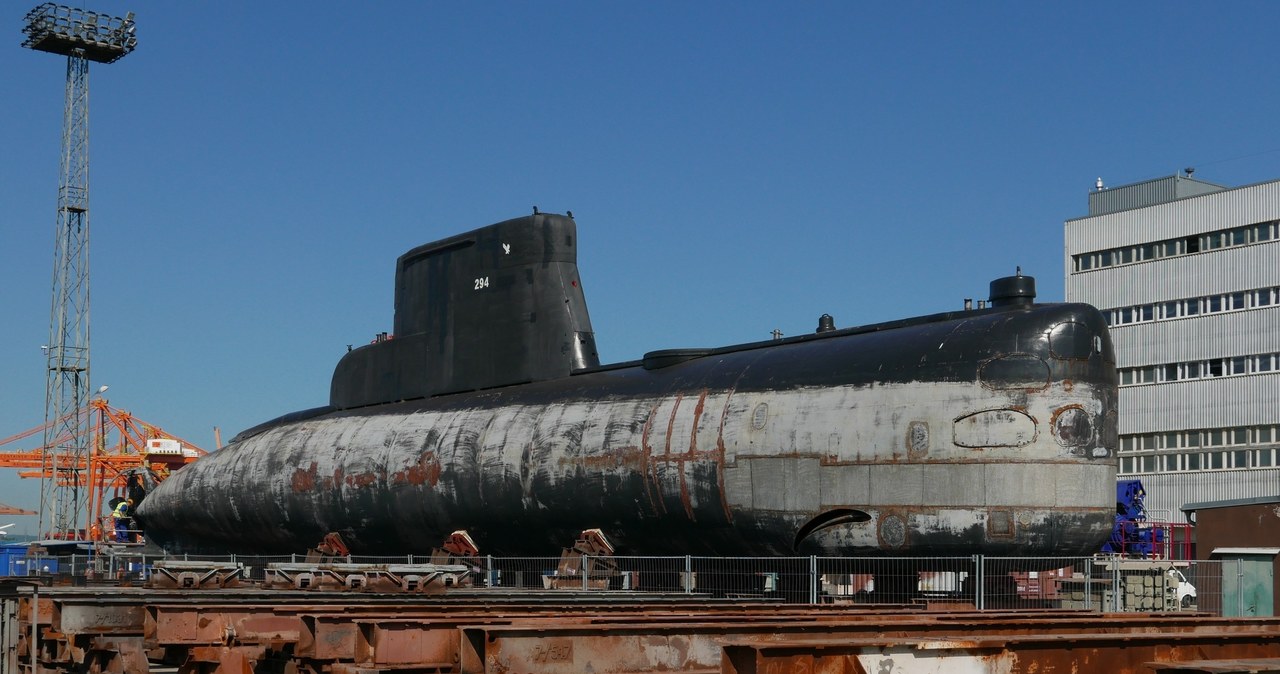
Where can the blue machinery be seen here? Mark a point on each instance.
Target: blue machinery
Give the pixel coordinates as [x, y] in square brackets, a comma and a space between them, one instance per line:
[1132, 535]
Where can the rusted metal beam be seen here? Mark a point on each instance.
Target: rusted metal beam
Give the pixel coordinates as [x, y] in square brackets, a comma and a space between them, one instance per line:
[216, 631]
[1240, 666]
[1133, 653]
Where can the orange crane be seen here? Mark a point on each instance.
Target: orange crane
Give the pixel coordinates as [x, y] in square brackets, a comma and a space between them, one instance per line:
[122, 450]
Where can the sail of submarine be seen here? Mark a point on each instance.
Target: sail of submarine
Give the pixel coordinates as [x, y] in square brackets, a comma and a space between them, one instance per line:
[985, 431]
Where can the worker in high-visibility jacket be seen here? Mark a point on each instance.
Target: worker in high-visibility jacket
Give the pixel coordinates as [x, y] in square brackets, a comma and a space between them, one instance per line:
[123, 515]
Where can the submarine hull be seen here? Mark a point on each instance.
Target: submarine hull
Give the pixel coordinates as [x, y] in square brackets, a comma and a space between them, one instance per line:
[989, 431]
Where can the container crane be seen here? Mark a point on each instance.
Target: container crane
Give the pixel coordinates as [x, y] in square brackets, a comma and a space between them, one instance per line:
[125, 454]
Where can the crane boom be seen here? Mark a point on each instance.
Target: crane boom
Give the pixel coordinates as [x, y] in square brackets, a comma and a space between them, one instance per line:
[121, 447]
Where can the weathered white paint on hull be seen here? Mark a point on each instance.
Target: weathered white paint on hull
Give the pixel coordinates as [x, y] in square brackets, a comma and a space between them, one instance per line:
[769, 458]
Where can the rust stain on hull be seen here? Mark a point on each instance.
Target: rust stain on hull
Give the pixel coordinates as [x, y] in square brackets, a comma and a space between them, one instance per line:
[426, 472]
[304, 480]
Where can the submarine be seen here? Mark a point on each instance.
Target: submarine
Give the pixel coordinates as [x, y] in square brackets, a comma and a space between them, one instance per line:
[983, 431]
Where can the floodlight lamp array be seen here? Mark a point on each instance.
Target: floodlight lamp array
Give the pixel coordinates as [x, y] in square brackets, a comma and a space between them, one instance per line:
[59, 29]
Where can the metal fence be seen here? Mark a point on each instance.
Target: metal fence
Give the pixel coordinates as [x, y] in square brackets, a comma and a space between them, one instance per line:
[1097, 583]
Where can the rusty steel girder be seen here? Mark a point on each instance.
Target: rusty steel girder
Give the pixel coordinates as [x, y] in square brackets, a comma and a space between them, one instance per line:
[237, 630]
[1135, 653]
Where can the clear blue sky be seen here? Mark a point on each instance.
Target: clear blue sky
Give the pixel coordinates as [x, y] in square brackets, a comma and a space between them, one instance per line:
[734, 167]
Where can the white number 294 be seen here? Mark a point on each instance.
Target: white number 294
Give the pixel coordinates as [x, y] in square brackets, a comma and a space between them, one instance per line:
[482, 282]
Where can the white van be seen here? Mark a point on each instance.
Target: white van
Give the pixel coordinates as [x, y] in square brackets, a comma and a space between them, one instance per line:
[1184, 591]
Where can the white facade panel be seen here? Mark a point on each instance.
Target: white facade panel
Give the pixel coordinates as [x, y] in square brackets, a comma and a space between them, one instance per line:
[1233, 333]
[1224, 402]
[1212, 272]
[1225, 209]
[1167, 493]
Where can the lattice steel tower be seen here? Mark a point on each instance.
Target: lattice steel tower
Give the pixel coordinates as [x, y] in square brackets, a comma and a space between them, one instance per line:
[82, 36]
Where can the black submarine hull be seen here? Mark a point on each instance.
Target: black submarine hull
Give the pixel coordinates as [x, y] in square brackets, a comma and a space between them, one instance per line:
[988, 431]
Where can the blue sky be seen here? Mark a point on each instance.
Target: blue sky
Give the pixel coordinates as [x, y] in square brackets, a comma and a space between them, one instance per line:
[734, 167]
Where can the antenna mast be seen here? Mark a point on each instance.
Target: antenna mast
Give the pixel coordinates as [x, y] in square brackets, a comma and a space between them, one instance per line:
[82, 36]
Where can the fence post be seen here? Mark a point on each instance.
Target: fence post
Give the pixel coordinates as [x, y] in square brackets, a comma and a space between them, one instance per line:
[980, 591]
[491, 574]
[688, 574]
[1115, 586]
[813, 579]
[1088, 584]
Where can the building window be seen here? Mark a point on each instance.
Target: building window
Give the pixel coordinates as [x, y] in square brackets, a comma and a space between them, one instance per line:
[1160, 449]
[1218, 367]
[1223, 238]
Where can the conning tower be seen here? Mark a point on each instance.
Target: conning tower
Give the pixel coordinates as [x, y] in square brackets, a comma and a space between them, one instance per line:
[497, 306]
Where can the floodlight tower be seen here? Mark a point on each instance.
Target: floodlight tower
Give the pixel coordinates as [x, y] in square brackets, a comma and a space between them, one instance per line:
[82, 36]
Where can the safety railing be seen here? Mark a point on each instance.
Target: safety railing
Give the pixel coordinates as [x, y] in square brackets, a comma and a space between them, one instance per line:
[1096, 583]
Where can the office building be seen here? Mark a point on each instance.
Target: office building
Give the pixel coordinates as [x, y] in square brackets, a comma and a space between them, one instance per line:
[1188, 275]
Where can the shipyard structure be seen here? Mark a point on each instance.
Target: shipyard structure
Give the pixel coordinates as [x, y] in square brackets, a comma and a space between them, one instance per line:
[485, 422]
